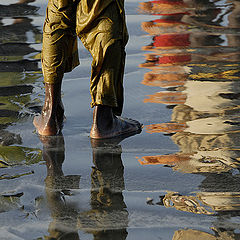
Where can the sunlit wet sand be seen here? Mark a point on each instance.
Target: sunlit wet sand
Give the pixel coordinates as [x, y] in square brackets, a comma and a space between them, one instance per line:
[178, 179]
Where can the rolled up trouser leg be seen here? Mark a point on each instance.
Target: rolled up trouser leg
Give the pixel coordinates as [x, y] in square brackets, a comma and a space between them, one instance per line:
[106, 39]
[107, 85]
[59, 52]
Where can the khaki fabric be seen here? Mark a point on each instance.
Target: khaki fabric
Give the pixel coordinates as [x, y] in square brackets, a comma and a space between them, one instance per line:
[100, 24]
[59, 51]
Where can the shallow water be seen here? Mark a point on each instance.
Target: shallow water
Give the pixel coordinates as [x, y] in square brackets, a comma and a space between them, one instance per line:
[178, 179]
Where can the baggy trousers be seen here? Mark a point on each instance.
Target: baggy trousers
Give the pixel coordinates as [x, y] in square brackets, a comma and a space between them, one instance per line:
[101, 26]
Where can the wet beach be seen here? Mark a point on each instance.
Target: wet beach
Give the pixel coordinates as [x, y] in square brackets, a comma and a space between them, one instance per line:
[176, 180]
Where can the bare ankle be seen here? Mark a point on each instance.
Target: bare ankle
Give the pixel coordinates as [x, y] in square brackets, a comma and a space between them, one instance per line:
[51, 119]
[102, 116]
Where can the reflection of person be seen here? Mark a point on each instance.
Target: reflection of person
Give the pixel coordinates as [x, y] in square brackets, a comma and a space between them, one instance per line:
[102, 29]
[64, 224]
[108, 218]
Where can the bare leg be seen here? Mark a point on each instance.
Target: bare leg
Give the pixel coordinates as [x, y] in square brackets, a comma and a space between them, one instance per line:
[107, 125]
[50, 121]
[59, 55]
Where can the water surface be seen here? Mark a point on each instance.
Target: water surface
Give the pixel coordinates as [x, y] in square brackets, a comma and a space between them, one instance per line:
[178, 179]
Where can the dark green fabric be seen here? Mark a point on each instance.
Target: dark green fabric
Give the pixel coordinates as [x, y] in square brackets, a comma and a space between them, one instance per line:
[101, 26]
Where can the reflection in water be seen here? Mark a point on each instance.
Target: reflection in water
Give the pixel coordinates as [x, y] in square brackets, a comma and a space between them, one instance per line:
[108, 184]
[204, 202]
[19, 70]
[108, 217]
[194, 55]
[18, 59]
[219, 233]
[192, 61]
[204, 96]
[64, 215]
[20, 8]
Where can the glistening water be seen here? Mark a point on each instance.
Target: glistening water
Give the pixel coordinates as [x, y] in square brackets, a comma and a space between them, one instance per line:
[178, 179]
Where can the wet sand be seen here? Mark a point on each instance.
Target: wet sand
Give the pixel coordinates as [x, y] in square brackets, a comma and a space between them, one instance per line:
[178, 179]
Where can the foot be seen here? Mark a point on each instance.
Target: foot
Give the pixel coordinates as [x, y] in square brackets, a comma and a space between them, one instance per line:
[49, 123]
[107, 125]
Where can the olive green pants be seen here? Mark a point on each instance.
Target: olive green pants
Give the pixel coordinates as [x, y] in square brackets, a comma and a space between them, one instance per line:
[100, 24]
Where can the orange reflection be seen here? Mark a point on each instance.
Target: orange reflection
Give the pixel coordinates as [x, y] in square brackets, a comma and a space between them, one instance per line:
[164, 80]
[163, 7]
[167, 98]
[164, 159]
[166, 127]
[168, 23]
